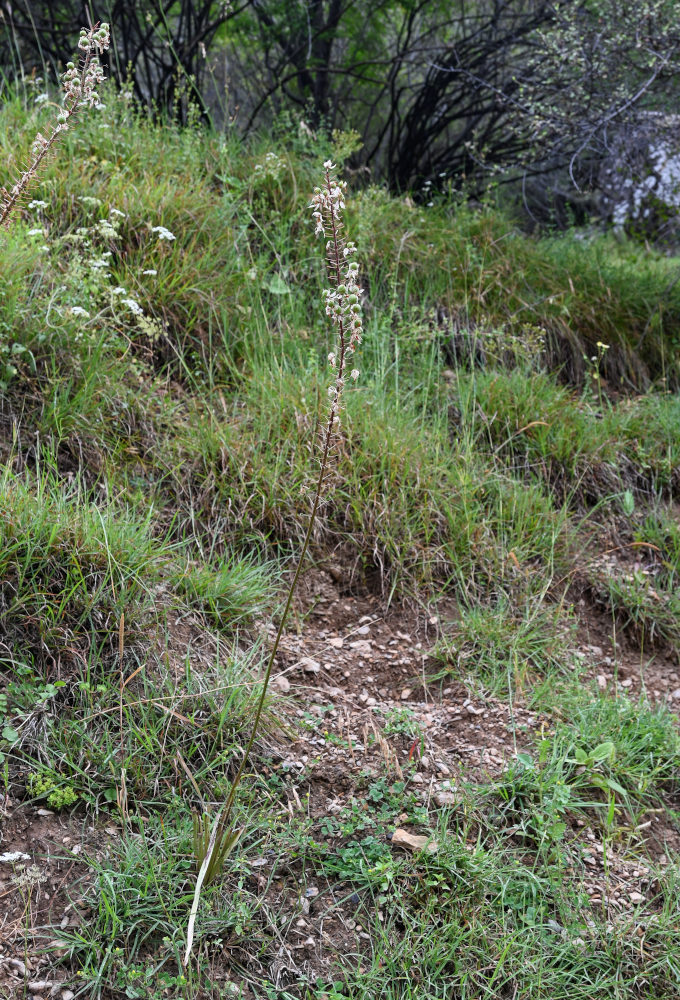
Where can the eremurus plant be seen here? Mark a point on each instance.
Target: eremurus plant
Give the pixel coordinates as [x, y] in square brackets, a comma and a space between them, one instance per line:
[342, 304]
[79, 84]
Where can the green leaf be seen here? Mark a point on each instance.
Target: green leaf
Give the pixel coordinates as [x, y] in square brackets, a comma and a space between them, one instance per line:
[276, 285]
[615, 786]
[10, 734]
[580, 756]
[603, 751]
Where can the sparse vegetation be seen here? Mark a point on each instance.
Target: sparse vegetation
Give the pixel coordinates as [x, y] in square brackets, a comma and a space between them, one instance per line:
[163, 363]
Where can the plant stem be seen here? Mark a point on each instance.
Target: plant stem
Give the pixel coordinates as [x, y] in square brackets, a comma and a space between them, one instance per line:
[289, 600]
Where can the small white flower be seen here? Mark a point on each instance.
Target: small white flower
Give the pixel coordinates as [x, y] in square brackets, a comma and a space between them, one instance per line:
[133, 306]
[10, 856]
[99, 263]
[79, 311]
[163, 233]
[354, 374]
[116, 211]
[35, 232]
[36, 203]
[41, 98]
[119, 290]
[329, 165]
[150, 270]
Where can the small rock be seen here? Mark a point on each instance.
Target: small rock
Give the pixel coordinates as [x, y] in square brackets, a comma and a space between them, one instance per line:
[361, 645]
[67, 995]
[17, 965]
[311, 892]
[405, 694]
[627, 683]
[64, 922]
[442, 768]
[363, 697]
[602, 682]
[370, 702]
[337, 642]
[445, 799]
[402, 838]
[45, 812]
[309, 665]
[471, 710]
[634, 897]
[40, 985]
[281, 683]
[363, 630]
[417, 778]
[675, 694]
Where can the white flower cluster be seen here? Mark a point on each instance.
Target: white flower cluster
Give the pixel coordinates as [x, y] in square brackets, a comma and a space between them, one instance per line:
[328, 202]
[98, 38]
[272, 166]
[80, 82]
[163, 233]
[342, 302]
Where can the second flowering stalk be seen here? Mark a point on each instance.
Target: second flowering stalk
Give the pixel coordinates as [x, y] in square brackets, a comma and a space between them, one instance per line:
[343, 306]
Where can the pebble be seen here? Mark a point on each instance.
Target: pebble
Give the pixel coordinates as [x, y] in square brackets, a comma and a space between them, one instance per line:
[281, 683]
[675, 694]
[361, 645]
[627, 683]
[309, 665]
[405, 694]
[602, 682]
[40, 985]
[471, 710]
[364, 630]
[417, 778]
[337, 642]
[442, 768]
[444, 799]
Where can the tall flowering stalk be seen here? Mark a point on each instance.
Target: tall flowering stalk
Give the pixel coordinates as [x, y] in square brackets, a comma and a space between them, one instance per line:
[342, 301]
[79, 84]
